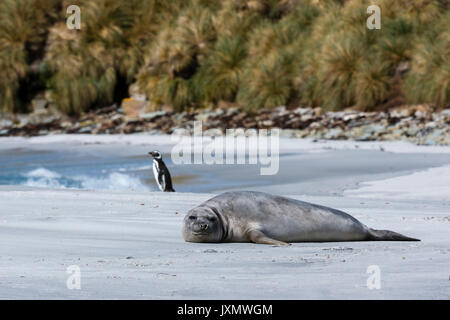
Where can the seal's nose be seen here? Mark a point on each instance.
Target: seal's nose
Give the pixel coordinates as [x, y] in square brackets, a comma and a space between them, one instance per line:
[203, 226]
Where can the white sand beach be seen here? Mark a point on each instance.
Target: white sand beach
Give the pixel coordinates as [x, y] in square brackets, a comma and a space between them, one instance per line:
[128, 244]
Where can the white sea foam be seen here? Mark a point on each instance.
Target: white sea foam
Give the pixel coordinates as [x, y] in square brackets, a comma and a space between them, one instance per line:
[114, 181]
[43, 173]
[45, 178]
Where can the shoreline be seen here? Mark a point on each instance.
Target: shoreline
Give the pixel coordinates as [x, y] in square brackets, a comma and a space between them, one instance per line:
[120, 162]
[415, 124]
[165, 142]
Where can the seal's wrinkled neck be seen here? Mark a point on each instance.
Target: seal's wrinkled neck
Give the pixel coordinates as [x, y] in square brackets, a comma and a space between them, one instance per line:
[224, 223]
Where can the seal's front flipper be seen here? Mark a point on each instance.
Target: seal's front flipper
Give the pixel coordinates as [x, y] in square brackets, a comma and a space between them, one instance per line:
[257, 236]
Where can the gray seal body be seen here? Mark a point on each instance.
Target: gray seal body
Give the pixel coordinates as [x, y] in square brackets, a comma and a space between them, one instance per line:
[248, 216]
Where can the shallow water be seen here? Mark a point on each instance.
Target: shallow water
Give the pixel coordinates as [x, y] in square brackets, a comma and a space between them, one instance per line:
[103, 168]
[128, 167]
[80, 168]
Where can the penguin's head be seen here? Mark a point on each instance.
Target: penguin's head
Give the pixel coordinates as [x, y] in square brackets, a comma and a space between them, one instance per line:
[155, 154]
[202, 224]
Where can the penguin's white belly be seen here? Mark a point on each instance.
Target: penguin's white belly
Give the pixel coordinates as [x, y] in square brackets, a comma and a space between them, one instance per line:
[155, 173]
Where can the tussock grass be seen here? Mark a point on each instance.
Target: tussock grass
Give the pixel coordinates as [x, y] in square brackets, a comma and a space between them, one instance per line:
[252, 53]
[270, 83]
[220, 75]
[23, 28]
[429, 79]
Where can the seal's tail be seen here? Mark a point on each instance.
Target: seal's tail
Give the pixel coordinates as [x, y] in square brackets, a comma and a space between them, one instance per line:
[386, 235]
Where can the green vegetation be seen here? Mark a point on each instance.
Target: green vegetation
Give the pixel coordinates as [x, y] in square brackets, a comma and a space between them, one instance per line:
[198, 53]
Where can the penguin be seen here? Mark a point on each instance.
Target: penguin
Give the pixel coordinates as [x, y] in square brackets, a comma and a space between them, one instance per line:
[162, 175]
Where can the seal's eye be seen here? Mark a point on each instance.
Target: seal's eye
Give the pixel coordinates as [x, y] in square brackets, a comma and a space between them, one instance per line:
[192, 218]
[212, 219]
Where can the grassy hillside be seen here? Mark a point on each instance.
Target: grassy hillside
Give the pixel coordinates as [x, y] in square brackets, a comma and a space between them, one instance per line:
[199, 53]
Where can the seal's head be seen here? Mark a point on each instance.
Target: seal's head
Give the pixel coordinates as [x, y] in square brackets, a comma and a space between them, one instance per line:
[202, 224]
[155, 154]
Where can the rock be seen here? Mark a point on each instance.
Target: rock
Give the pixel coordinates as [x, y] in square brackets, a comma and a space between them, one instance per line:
[250, 124]
[87, 129]
[232, 110]
[303, 111]
[314, 125]
[267, 123]
[240, 116]
[152, 115]
[280, 109]
[399, 113]
[366, 132]
[5, 123]
[349, 117]
[136, 94]
[39, 104]
[202, 117]
[117, 118]
[317, 111]
[107, 110]
[66, 124]
[21, 121]
[412, 131]
[414, 123]
[133, 108]
[335, 133]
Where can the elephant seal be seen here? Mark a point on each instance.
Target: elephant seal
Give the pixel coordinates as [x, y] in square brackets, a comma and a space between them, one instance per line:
[248, 216]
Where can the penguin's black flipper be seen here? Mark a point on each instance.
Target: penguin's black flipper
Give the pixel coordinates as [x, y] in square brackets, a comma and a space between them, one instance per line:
[164, 179]
[168, 184]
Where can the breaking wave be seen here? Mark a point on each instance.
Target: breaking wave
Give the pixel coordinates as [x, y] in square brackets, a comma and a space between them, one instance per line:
[44, 178]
